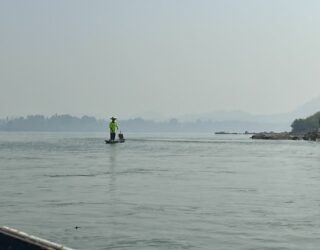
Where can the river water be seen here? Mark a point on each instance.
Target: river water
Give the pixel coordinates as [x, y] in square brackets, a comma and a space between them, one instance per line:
[161, 191]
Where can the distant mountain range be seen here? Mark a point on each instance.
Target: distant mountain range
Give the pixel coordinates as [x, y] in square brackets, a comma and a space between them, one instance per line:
[237, 121]
[227, 121]
[278, 122]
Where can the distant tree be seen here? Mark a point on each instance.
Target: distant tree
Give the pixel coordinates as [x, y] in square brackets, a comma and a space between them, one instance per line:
[53, 123]
[308, 124]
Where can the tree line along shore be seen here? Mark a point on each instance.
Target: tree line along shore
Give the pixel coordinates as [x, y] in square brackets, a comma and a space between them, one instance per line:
[66, 123]
[302, 128]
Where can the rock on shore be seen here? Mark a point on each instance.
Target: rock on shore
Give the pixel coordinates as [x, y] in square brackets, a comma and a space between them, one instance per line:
[310, 136]
[276, 136]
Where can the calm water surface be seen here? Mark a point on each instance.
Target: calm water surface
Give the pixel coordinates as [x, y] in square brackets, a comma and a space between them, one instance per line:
[174, 191]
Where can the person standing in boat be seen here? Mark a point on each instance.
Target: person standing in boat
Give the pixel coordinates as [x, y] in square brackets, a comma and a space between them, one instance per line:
[113, 128]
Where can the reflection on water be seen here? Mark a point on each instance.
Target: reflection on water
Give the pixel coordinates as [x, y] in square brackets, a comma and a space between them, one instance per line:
[161, 191]
[112, 191]
[112, 167]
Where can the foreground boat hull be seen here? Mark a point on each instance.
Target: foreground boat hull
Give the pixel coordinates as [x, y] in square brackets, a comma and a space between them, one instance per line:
[11, 239]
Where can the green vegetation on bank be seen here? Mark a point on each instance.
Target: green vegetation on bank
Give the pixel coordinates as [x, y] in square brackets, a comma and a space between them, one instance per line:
[308, 124]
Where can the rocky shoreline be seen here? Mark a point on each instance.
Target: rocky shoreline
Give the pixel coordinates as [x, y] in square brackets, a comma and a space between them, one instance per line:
[310, 136]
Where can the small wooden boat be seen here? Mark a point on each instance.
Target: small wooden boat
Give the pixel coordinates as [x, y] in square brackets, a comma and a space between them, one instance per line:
[11, 239]
[115, 141]
[119, 140]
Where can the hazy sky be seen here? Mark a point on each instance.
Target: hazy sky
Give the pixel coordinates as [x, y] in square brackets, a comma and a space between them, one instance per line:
[170, 57]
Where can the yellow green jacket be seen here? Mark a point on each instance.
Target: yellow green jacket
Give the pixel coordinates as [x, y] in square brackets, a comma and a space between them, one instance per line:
[113, 126]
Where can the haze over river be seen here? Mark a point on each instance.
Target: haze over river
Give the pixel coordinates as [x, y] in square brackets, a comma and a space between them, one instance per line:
[161, 191]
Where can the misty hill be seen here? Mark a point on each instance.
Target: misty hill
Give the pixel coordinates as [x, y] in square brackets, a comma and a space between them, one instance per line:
[276, 122]
[307, 109]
